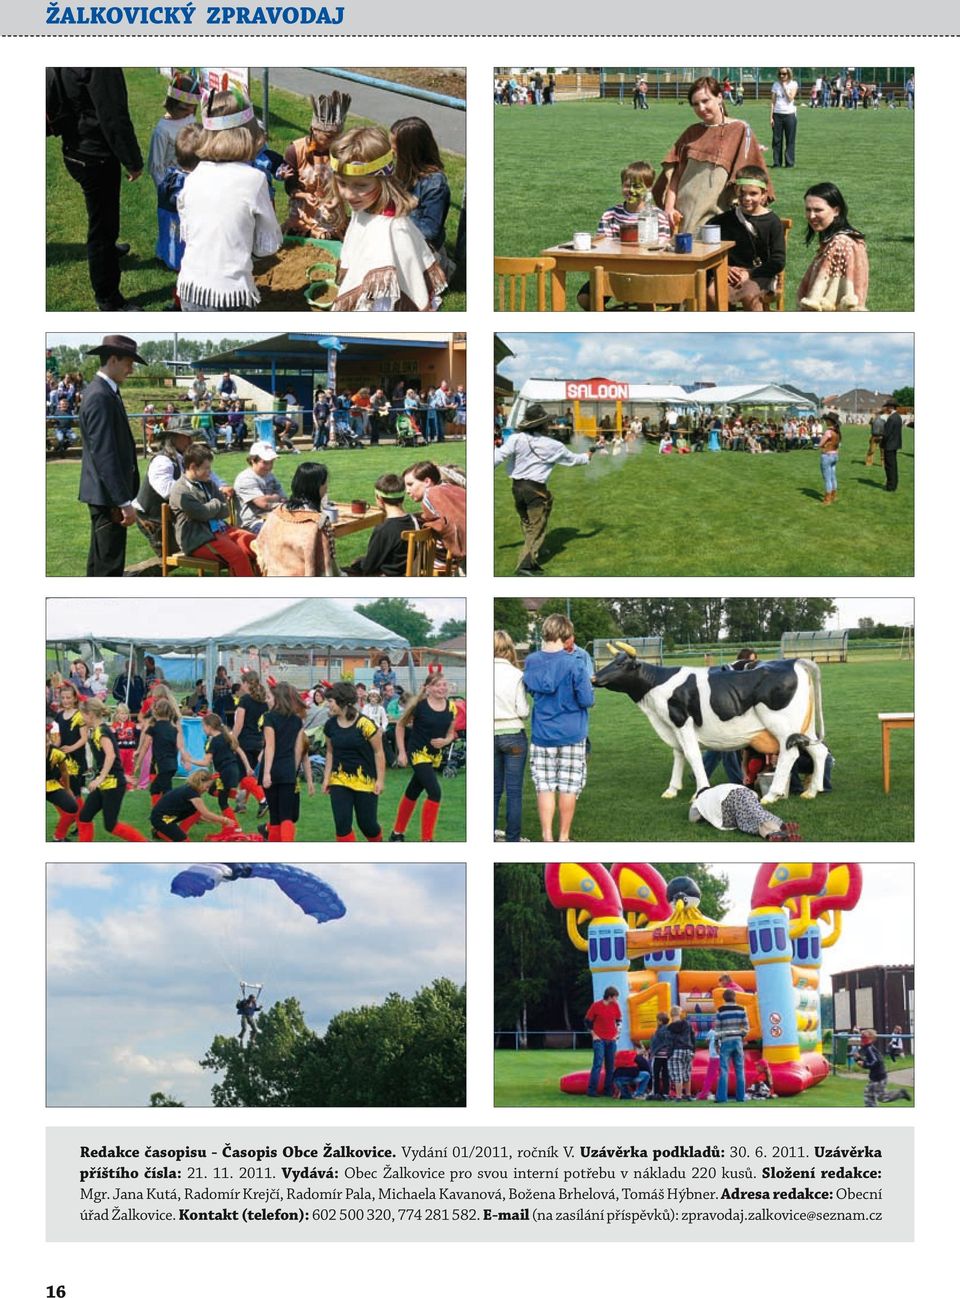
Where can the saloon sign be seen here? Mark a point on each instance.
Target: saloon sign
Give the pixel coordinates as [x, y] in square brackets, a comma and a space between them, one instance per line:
[596, 390]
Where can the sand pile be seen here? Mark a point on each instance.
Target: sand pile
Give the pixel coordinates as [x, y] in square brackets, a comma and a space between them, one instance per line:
[283, 278]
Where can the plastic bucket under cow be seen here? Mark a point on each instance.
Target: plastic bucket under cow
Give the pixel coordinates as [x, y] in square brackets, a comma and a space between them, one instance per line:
[264, 427]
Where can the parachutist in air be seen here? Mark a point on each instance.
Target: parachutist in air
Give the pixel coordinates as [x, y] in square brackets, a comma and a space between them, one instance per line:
[247, 1008]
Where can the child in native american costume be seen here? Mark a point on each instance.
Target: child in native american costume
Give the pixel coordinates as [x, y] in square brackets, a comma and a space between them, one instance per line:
[386, 264]
[226, 216]
[315, 210]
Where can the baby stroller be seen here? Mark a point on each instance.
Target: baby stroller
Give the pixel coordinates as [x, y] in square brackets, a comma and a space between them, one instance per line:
[407, 430]
[346, 436]
[455, 758]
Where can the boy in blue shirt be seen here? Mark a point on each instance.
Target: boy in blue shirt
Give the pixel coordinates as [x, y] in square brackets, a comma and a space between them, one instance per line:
[562, 692]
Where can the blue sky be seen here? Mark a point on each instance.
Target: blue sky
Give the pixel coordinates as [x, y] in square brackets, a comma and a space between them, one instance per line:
[821, 363]
[139, 981]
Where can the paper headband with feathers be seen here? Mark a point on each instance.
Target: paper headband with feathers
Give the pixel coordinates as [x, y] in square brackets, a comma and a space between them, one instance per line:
[330, 111]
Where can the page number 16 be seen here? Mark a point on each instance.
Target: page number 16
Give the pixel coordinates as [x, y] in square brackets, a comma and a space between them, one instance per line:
[56, 1291]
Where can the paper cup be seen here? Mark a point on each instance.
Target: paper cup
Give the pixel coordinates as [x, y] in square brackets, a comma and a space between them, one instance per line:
[582, 241]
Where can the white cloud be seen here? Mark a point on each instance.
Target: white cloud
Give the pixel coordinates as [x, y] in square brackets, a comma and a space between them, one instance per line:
[131, 1062]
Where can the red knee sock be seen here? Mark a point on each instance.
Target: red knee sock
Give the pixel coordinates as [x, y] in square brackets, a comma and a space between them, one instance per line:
[230, 814]
[85, 831]
[288, 831]
[347, 838]
[252, 787]
[154, 799]
[273, 833]
[188, 824]
[404, 812]
[428, 820]
[376, 838]
[127, 833]
[63, 824]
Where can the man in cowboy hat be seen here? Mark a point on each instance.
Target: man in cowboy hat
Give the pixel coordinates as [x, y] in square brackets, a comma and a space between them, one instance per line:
[892, 441]
[531, 455]
[109, 477]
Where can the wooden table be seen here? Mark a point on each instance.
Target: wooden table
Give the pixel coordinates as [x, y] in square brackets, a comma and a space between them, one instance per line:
[891, 721]
[348, 522]
[633, 259]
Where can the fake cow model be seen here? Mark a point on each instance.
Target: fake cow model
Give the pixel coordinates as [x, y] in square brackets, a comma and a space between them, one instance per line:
[773, 707]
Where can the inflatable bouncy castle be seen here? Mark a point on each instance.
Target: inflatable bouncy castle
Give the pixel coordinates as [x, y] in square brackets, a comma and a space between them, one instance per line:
[634, 927]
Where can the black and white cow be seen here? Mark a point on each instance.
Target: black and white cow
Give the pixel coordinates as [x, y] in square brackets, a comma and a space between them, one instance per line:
[774, 707]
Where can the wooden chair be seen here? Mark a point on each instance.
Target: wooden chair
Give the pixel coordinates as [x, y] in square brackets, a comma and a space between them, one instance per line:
[645, 290]
[787, 223]
[422, 555]
[171, 557]
[511, 281]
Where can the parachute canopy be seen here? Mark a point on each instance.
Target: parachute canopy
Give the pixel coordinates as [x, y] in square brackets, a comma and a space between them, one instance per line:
[314, 897]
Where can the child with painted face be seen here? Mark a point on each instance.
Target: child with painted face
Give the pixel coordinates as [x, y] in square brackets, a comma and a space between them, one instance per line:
[759, 253]
[385, 264]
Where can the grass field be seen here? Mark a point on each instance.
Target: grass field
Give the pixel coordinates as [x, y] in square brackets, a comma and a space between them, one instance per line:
[146, 282]
[696, 515]
[352, 475]
[557, 169]
[629, 768]
[531, 1079]
[316, 821]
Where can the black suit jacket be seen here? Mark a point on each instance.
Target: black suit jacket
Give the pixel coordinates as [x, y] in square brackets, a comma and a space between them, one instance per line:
[108, 472]
[100, 125]
[893, 433]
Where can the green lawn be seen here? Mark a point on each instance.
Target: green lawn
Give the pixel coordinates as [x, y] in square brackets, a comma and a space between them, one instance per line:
[629, 768]
[316, 821]
[146, 282]
[558, 169]
[531, 1079]
[696, 515]
[352, 475]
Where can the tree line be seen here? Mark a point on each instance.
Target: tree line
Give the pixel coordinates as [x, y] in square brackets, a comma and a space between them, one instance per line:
[679, 621]
[403, 1053]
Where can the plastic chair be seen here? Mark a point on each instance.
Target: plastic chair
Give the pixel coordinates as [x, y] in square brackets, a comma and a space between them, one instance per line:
[511, 274]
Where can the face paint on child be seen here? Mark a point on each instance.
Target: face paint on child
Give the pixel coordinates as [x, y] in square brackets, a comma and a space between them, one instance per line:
[358, 192]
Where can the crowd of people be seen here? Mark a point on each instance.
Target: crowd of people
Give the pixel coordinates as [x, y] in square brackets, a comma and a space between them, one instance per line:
[539, 89]
[217, 415]
[381, 194]
[263, 741]
[551, 694]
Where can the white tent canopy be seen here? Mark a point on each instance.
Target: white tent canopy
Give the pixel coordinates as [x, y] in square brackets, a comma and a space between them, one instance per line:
[603, 393]
[325, 625]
